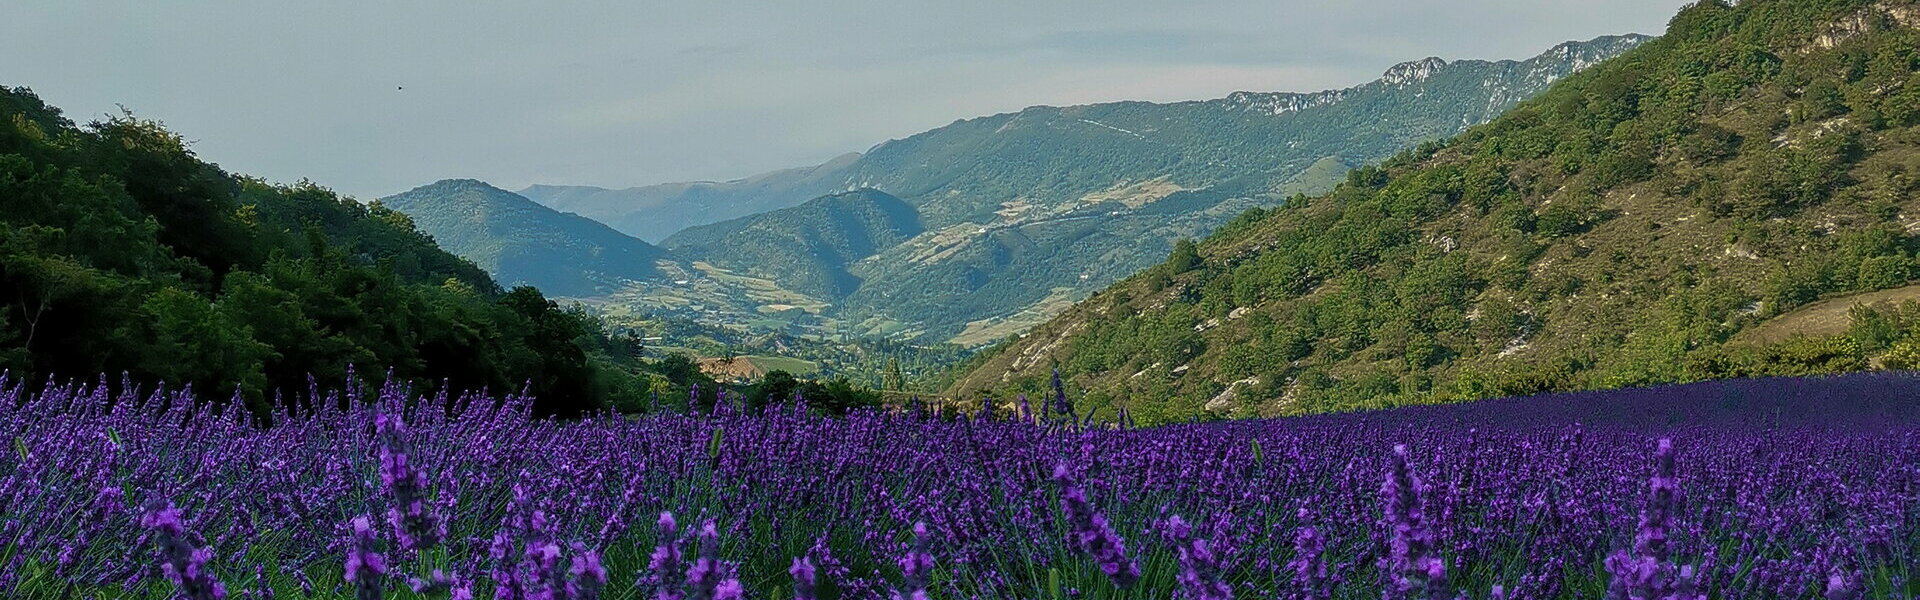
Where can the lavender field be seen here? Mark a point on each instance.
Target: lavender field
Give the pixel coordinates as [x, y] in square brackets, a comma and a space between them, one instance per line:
[1753, 489]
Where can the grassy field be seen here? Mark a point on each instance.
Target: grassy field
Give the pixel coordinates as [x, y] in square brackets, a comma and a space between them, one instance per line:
[1824, 318]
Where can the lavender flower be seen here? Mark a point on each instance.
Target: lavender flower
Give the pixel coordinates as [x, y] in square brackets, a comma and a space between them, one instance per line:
[415, 526]
[1413, 567]
[182, 563]
[587, 577]
[1092, 535]
[1199, 576]
[366, 568]
[1309, 564]
[1841, 587]
[437, 582]
[666, 559]
[803, 579]
[915, 565]
[709, 578]
[1648, 572]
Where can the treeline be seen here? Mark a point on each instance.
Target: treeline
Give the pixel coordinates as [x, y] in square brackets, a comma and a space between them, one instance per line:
[123, 253]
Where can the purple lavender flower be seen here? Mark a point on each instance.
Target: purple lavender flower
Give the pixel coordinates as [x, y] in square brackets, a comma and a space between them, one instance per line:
[1059, 402]
[181, 563]
[1199, 576]
[666, 559]
[1309, 564]
[803, 579]
[915, 565]
[587, 577]
[709, 578]
[366, 568]
[1648, 571]
[1841, 587]
[415, 526]
[1413, 567]
[437, 582]
[1092, 535]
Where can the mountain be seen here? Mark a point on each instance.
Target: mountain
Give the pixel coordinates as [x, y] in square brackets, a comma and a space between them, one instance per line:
[1623, 228]
[124, 255]
[1025, 212]
[808, 248]
[521, 242]
[653, 212]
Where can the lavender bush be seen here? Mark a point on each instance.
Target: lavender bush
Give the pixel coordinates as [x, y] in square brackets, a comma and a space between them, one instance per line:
[1756, 489]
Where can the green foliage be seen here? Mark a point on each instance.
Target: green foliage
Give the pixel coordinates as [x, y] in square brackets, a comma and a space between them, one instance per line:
[1185, 257]
[121, 252]
[1623, 228]
[808, 248]
[834, 396]
[521, 242]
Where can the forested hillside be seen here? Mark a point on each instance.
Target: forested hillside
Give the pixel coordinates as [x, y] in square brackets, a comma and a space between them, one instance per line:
[807, 248]
[122, 252]
[1621, 229]
[523, 243]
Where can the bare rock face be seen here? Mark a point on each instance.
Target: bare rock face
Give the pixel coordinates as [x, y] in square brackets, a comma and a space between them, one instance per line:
[1872, 18]
[1413, 71]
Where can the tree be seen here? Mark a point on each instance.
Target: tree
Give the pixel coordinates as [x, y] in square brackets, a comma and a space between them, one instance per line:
[775, 388]
[1185, 257]
[893, 379]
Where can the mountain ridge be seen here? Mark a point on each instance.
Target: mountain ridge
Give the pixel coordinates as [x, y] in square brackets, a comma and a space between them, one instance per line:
[522, 242]
[1022, 212]
[1620, 229]
[653, 212]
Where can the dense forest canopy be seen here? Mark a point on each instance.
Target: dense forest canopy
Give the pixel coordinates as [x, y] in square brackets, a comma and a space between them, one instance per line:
[1624, 228]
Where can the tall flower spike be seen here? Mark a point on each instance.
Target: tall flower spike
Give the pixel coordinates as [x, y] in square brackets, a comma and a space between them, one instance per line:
[709, 578]
[587, 577]
[915, 566]
[1092, 535]
[1310, 563]
[1199, 576]
[414, 523]
[803, 579]
[366, 568]
[665, 563]
[1413, 568]
[1648, 572]
[181, 563]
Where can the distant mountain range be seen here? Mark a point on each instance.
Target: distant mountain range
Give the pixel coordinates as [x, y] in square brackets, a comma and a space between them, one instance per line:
[979, 229]
[653, 212]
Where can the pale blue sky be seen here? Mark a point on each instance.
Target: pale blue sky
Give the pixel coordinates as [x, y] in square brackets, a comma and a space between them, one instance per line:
[630, 93]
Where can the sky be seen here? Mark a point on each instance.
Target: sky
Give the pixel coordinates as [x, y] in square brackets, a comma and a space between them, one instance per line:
[372, 98]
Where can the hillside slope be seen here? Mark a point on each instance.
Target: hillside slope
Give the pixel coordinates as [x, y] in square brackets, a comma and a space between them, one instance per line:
[523, 243]
[1618, 230]
[809, 247]
[1025, 210]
